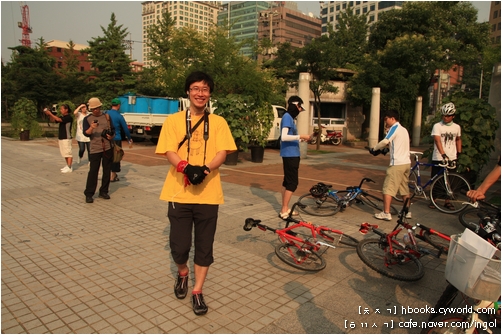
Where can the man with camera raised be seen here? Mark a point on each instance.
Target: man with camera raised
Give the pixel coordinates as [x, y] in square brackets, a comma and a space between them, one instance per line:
[99, 128]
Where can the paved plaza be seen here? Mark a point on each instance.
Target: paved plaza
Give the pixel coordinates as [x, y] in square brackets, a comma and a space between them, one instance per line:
[105, 267]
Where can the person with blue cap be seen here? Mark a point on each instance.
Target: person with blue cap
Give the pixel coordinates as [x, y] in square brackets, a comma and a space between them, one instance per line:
[120, 126]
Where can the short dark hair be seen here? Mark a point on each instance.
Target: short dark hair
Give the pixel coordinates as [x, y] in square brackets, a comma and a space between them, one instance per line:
[197, 76]
[391, 113]
[67, 107]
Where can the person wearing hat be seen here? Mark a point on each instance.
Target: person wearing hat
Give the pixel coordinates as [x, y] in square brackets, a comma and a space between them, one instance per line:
[290, 152]
[99, 128]
[64, 135]
[120, 125]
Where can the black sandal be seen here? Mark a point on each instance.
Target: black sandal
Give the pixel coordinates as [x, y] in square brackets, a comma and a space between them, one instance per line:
[115, 179]
[449, 206]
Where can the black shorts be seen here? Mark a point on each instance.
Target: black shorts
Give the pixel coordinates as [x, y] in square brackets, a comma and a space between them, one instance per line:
[183, 219]
[290, 166]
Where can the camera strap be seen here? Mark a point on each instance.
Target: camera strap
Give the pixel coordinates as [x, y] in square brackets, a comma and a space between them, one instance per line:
[190, 130]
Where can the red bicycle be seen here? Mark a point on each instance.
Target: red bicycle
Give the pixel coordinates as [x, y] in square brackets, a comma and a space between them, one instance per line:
[303, 243]
[400, 260]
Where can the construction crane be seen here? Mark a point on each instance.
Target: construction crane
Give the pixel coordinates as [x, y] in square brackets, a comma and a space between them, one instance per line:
[25, 25]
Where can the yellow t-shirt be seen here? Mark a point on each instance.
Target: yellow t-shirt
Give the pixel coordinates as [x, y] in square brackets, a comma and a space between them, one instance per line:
[220, 138]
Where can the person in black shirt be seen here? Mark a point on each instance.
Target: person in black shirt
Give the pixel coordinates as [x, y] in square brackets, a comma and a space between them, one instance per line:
[64, 135]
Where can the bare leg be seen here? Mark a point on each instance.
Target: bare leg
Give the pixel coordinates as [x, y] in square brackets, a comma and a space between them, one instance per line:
[200, 276]
[387, 200]
[286, 197]
[69, 161]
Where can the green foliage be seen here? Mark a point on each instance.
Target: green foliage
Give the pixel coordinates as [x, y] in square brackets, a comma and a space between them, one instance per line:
[30, 75]
[407, 46]
[234, 108]
[479, 125]
[107, 55]
[259, 121]
[182, 51]
[24, 117]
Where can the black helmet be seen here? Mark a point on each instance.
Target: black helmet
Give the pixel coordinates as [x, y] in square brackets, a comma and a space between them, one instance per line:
[318, 190]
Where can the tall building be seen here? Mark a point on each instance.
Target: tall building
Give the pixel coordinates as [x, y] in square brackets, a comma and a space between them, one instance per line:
[242, 17]
[200, 15]
[494, 21]
[330, 10]
[278, 21]
[283, 24]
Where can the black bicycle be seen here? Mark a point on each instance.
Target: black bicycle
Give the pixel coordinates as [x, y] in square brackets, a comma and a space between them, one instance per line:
[323, 201]
[482, 214]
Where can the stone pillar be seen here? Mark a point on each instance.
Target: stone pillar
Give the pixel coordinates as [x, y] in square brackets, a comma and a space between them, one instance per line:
[374, 117]
[304, 118]
[417, 123]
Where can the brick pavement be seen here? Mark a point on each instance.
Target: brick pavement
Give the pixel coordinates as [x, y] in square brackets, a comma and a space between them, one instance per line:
[71, 267]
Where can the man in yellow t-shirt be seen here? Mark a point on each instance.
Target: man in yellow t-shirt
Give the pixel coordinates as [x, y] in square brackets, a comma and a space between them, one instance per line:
[195, 143]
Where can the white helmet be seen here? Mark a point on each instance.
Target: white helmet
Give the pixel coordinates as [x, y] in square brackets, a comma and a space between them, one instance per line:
[448, 109]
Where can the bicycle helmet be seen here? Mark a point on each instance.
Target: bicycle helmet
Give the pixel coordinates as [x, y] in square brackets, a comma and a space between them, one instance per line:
[318, 190]
[448, 109]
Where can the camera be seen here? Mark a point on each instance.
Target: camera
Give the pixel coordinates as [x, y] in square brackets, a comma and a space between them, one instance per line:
[95, 121]
[106, 132]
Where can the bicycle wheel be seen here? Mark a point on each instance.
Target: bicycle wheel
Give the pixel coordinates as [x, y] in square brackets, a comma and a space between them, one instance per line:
[448, 197]
[375, 202]
[333, 237]
[374, 254]
[325, 206]
[445, 300]
[470, 219]
[437, 242]
[446, 324]
[412, 185]
[291, 255]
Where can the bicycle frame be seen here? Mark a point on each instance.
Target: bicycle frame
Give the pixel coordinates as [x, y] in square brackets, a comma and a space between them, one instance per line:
[416, 169]
[412, 248]
[301, 249]
[353, 193]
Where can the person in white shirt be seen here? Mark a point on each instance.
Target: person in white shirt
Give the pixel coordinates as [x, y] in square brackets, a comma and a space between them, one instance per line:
[83, 141]
[447, 142]
[398, 172]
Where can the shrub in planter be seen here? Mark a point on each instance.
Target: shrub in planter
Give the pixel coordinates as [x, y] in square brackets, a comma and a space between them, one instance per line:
[24, 117]
[234, 109]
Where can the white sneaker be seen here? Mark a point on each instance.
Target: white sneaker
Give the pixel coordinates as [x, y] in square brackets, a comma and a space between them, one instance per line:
[78, 160]
[67, 170]
[408, 215]
[383, 216]
[64, 168]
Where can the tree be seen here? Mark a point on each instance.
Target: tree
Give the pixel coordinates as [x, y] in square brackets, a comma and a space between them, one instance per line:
[74, 85]
[407, 46]
[350, 39]
[108, 56]
[318, 59]
[30, 75]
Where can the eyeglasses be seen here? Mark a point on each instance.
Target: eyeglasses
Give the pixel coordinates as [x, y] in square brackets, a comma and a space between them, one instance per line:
[196, 89]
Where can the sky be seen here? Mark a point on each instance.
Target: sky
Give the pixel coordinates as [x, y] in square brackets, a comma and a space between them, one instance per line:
[81, 21]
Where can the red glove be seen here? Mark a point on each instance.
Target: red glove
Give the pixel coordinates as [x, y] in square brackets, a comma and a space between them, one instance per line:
[181, 168]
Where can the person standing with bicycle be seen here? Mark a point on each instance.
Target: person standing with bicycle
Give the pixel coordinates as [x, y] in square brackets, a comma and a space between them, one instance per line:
[290, 152]
[397, 175]
[447, 143]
